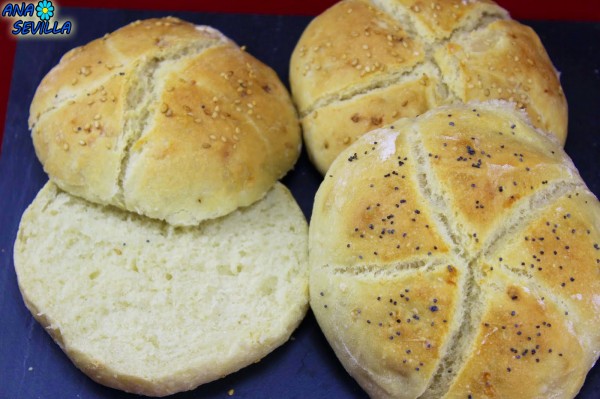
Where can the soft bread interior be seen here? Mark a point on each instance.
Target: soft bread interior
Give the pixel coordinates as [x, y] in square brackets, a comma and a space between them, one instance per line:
[153, 309]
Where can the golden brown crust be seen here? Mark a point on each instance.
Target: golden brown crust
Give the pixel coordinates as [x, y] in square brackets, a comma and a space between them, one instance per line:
[357, 47]
[525, 348]
[478, 188]
[506, 61]
[386, 220]
[486, 164]
[438, 20]
[561, 251]
[167, 119]
[393, 329]
[79, 142]
[332, 128]
[83, 68]
[351, 44]
[224, 124]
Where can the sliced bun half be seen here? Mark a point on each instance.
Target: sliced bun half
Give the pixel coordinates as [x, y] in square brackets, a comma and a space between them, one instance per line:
[153, 309]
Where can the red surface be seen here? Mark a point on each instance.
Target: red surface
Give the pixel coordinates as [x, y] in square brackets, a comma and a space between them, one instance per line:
[577, 10]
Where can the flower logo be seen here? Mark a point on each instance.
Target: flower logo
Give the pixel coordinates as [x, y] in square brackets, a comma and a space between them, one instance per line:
[45, 10]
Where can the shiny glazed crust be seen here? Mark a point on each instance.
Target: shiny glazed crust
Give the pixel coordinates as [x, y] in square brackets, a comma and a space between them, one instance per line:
[457, 254]
[167, 119]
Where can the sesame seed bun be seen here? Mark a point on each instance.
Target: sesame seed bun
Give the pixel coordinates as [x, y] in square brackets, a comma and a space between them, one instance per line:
[167, 119]
[363, 64]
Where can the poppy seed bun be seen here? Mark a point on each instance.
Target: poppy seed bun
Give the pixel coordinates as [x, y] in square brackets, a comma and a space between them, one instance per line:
[362, 64]
[167, 119]
[458, 255]
[149, 308]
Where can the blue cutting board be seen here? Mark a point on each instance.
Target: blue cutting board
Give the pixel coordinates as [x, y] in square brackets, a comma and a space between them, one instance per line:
[32, 366]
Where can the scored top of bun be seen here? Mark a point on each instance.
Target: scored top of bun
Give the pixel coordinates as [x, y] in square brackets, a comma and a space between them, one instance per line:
[168, 119]
[457, 254]
[363, 64]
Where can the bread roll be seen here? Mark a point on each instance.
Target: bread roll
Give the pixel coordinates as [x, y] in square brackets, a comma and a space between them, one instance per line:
[153, 309]
[457, 255]
[167, 119]
[363, 64]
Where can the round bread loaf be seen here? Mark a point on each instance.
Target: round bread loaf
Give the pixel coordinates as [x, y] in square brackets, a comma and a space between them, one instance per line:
[457, 255]
[365, 63]
[149, 308]
[167, 119]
